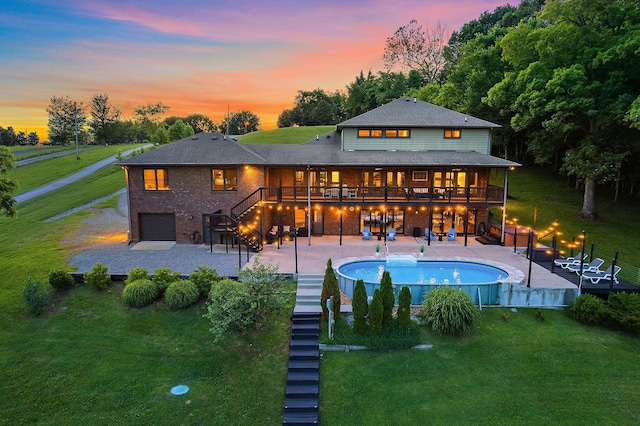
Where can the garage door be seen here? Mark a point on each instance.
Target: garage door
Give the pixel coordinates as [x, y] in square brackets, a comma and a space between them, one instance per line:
[157, 227]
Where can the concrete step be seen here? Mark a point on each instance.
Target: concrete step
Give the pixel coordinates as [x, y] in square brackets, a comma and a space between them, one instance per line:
[304, 365]
[303, 377]
[304, 353]
[302, 391]
[300, 418]
[303, 343]
[301, 404]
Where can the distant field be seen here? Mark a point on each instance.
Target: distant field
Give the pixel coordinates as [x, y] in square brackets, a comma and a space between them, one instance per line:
[287, 135]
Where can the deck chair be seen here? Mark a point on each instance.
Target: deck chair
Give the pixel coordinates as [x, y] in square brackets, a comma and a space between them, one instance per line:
[391, 235]
[451, 235]
[430, 235]
[273, 234]
[593, 266]
[564, 263]
[595, 277]
[366, 234]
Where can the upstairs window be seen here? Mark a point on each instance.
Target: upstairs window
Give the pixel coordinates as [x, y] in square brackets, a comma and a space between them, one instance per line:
[396, 133]
[386, 133]
[156, 180]
[224, 180]
[452, 133]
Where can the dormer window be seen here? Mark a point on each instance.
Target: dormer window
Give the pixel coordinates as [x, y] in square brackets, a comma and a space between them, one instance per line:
[452, 133]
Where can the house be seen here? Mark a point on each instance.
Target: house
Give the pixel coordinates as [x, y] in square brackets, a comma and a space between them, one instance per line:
[407, 165]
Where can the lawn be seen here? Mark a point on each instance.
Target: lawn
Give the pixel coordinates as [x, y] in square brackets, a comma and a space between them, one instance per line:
[520, 371]
[289, 135]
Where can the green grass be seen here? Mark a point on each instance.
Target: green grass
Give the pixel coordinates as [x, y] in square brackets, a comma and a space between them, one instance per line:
[538, 190]
[40, 173]
[521, 372]
[288, 135]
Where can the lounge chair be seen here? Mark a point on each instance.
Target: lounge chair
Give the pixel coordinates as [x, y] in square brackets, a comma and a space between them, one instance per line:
[451, 235]
[273, 234]
[593, 266]
[595, 277]
[564, 263]
[366, 234]
[429, 234]
[391, 235]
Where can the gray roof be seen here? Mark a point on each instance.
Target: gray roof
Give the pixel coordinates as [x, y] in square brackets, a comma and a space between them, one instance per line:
[412, 113]
[212, 149]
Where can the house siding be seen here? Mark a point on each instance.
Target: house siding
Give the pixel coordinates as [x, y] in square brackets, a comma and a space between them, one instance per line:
[422, 140]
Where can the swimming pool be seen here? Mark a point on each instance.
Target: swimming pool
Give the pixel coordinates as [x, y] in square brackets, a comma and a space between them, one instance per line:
[481, 279]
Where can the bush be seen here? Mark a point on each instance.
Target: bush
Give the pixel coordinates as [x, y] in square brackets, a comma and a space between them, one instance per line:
[140, 293]
[330, 288]
[61, 280]
[229, 308]
[136, 274]
[360, 308]
[404, 309]
[204, 277]
[98, 278]
[162, 277]
[388, 299]
[181, 294]
[265, 289]
[375, 314]
[37, 297]
[449, 311]
[587, 309]
[624, 311]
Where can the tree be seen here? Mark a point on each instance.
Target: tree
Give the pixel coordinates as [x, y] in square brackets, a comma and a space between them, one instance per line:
[264, 287]
[573, 86]
[149, 116]
[313, 108]
[372, 91]
[239, 123]
[330, 288]
[7, 186]
[160, 136]
[33, 138]
[388, 299]
[8, 136]
[179, 130]
[200, 123]
[360, 308]
[375, 313]
[104, 116]
[413, 47]
[404, 308]
[65, 118]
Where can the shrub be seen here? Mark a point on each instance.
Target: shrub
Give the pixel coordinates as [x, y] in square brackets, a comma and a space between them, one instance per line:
[61, 280]
[136, 274]
[204, 277]
[449, 311]
[375, 314]
[388, 299]
[330, 288]
[162, 277]
[229, 308]
[181, 294]
[140, 293]
[624, 311]
[360, 308]
[265, 289]
[587, 309]
[404, 309]
[98, 278]
[37, 297]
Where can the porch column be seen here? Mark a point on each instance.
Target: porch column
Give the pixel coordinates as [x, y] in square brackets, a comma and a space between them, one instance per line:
[309, 205]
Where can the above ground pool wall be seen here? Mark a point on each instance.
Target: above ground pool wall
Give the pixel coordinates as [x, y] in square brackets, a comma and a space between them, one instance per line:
[519, 295]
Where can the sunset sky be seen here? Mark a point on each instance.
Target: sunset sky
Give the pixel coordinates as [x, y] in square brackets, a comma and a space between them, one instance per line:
[198, 56]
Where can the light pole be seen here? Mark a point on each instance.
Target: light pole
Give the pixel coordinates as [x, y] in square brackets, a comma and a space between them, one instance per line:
[75, 122]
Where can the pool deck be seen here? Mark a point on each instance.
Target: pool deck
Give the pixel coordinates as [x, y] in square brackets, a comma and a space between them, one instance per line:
[312, 259]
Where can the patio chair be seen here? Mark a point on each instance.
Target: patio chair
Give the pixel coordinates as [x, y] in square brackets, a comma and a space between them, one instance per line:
[593, 266]
[273, 234]
[430, 235]
[366, 234]
[564, 263]
[595, 277]
[391, 235]
[451, 235]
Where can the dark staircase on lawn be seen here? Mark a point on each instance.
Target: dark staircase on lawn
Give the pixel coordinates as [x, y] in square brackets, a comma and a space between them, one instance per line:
[302, 392]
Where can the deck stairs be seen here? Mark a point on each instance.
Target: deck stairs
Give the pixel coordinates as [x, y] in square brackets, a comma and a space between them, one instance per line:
[308, 293]
[302, 391]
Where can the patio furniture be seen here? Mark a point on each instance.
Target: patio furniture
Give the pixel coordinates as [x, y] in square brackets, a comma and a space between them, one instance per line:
[451, 235]
[391, 235]
[333, 193]
[366, 234]
[595, 277]
[564, 263]
[430, 235]
[349, 193]
[593, 266]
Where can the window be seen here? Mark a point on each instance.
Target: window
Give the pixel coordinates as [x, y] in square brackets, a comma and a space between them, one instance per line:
[156, 180]
[369, 133]
[420, 175]
[224, 180]
[387, 133]
[452, 134]
[396, 133]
